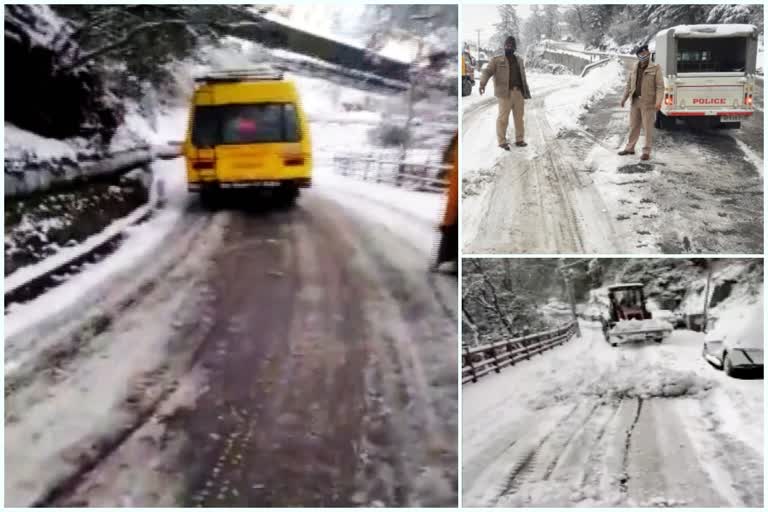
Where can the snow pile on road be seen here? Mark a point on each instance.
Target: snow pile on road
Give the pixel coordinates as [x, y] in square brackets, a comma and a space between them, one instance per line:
[625, 378]
[647, 380]
[564, 109]
[634, 325]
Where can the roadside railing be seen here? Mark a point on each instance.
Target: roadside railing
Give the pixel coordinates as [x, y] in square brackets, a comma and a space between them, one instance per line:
[595, 64]
[483, 359]
[426, 176]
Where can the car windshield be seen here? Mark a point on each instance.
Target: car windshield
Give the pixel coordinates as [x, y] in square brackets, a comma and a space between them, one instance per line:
[244, 124]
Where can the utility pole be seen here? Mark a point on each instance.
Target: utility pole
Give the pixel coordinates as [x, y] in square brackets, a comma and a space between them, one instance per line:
[565, 272]
[706, 294]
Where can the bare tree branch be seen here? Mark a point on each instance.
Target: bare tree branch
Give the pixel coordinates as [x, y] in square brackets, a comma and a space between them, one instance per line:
[128, 37]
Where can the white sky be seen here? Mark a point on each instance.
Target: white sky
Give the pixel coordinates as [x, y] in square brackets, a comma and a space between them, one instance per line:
[483, 17]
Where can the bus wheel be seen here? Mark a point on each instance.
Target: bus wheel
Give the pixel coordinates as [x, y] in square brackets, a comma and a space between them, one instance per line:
[466, 86]
[209, 198]
[288, 193]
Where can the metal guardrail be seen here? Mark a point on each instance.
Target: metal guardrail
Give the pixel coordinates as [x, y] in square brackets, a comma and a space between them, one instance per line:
[589, 67]
[425, 176]
[483, 359]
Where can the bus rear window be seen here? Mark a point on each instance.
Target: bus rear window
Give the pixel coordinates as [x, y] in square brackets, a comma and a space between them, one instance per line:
[244, 124]
[711, 55]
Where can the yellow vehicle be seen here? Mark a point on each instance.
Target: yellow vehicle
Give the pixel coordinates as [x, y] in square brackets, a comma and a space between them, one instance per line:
[448, 249]
[467, 74]
[247, 130]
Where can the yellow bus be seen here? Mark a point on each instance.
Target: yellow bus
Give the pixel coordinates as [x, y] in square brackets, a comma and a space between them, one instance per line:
[247, 130]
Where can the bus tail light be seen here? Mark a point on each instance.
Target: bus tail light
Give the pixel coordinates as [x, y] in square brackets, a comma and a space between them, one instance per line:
[293, 160]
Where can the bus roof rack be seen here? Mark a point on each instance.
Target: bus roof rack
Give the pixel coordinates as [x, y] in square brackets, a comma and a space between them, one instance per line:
[241, 75]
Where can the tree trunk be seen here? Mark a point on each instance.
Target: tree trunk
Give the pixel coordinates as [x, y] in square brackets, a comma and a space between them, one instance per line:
[494, 297]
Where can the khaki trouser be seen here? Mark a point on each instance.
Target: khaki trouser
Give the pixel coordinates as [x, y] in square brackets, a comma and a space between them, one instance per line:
[514, 103]
[640, 115]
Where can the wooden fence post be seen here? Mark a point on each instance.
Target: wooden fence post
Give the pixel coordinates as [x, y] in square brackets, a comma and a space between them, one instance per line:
[496, 360]
[471, 363]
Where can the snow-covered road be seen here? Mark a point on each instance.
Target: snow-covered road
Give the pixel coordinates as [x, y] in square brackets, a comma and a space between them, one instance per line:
[256, 356]
[315, 338]
[533, 201]
[591, 425]
[568, 191]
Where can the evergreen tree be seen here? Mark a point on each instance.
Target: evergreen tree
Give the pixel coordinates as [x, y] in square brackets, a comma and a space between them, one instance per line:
[508, 25]
[551, 17]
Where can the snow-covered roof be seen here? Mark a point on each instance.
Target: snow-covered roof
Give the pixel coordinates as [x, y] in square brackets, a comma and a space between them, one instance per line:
[706, 31]
[625, 285]
[740, 325]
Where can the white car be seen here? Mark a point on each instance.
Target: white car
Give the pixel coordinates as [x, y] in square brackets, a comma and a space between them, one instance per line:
[737, 348]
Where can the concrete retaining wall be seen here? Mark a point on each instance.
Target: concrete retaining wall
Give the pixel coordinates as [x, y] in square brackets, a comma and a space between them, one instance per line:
[574, 64]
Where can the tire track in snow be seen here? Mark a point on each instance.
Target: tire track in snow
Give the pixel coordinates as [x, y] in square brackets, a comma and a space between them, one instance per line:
[624, 482]
[731, 456]
[538, 202]
[596, 451]
[560, 453]
[547, 451]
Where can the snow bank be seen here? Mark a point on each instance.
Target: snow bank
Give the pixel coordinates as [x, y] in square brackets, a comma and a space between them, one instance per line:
[140, 240]
[30, 147]
[414, 216]
[564, 109]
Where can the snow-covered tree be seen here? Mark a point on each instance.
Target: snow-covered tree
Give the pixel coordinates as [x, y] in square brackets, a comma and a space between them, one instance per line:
[144, 37]
[432, 31]
[501, 298]
[508, 25]
[535, 26]
[550, 19]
